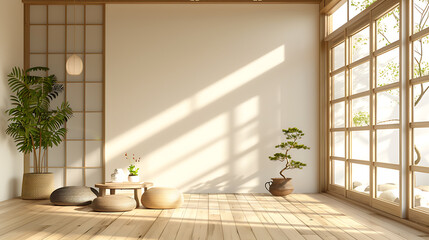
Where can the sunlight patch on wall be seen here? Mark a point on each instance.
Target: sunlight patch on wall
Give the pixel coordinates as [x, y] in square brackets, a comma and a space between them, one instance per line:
[200, 100]
[240, 77]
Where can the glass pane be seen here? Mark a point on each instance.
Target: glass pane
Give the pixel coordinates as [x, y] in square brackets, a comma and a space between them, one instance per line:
[94, 14]
[388, 146]
[94, 153]
[339, 115]
[75, 126]
[360, 78]
[339, 142]
[338, 56]
[94, 126]
[357, 6]
[75, 38]
[339, 17]
[56, 14]
[421, 102]
[57, 66]
[38, 14]
[360, 112]
[421, 190]
[93, 176]
[388, 184]
[71, 17]
[338, 85]
[38, 39]
[388, 68]
[388, 28]
[94, 67]
[58, 176]
[421, 57]
[75, 177]
[420, 14]
[56, 156]
[339, 172]
[37, 60]
[94, 39]
[388, 107]
[360, 44]
[75, 153]
[421, 147]
[360, 178]
[75, 96]
[94, 97]
[56, 39]
[360, 145]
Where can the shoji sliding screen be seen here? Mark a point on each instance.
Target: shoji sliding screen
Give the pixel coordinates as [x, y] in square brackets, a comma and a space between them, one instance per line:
[52, 34]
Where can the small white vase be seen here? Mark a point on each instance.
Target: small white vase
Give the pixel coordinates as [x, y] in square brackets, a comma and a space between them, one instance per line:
[118, 175]
[133, 178]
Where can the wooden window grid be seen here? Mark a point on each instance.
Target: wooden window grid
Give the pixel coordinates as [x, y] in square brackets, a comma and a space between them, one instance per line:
[66, 80]
[365, 20]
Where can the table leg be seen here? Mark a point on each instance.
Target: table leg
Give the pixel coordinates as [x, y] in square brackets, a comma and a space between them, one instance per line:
[112, 191]
[138, 196]
[102, 192]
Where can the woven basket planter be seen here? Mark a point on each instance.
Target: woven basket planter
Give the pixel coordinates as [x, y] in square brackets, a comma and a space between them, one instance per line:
[37, 186]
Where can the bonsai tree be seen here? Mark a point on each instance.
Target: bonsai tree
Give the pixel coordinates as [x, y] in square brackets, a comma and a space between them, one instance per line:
[292, 136]
[33, 125]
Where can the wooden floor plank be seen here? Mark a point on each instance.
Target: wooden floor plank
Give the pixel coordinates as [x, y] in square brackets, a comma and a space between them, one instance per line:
[214, 230]
[388, 227]
[243, 228]
[187, 225]
[202, 218]
[158, 226]
[207, 216]
[288, 230]
[255, 223]
[341, 220]
[321, 222]
[265, 218]
[173, 225]
[228, 225]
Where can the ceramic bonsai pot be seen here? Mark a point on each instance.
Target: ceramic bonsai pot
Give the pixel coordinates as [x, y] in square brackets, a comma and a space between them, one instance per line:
[280, 186]
[37, 186]
[133, 178]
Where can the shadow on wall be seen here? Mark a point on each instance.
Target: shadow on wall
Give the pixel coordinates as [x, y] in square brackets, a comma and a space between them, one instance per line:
[14, 186]
[12, 162]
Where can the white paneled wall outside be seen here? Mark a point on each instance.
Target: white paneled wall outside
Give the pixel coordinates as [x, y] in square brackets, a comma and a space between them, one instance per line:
[54, 33]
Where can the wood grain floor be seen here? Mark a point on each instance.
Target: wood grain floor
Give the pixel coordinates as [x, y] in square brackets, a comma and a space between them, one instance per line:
[206, 216]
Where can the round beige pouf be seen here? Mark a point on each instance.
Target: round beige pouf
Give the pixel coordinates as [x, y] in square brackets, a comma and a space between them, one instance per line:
[162, 198]
[113, 203]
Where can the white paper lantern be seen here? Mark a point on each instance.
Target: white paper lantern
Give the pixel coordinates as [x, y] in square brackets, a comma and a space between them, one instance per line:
[74, 65]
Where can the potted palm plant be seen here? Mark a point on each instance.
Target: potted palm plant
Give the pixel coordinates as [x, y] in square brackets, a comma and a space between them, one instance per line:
[283, 186]
[35, 126]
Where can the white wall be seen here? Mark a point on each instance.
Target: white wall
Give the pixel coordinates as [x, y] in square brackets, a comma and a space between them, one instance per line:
[201, 92]
[11, 54]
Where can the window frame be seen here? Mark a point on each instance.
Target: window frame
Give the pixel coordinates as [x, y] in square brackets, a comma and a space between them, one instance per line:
[366, 18]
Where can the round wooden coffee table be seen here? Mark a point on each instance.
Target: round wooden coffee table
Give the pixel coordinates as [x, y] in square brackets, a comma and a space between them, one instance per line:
[136, 186]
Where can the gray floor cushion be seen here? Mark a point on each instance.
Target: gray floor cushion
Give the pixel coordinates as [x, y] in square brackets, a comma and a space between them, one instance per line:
[73, 196]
